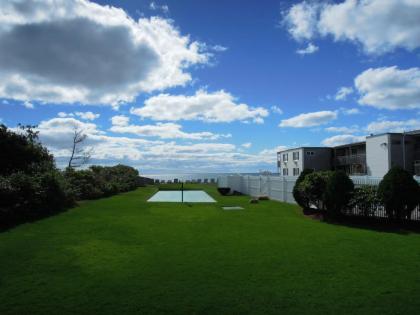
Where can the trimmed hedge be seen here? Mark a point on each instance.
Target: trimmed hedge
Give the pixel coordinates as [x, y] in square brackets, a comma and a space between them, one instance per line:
[298, 193]
[399, 193]
[338, 192]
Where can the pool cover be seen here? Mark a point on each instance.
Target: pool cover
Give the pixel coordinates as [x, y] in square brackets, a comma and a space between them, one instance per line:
[176, 196]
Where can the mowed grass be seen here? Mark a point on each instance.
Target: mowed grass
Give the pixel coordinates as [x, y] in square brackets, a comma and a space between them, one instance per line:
[121, 255]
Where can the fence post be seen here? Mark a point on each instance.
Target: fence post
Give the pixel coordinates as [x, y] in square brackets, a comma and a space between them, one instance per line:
[282, 189]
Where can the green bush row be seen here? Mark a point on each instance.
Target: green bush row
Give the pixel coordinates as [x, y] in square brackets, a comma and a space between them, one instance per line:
[334, 193]
[32, 187]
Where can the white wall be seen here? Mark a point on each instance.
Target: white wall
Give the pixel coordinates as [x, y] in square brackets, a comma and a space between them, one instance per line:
[377, 155]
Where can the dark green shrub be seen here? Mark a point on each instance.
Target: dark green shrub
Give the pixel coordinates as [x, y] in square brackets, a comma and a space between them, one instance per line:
[338, 191]
[83, 183]
[365, 199]
[100, 181]
[223, 190]
[31, 187]
[21, 152]
[399, 193]
[297, 191]
[313, 188]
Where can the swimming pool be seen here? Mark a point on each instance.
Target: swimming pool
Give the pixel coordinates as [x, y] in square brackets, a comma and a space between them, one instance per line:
[176, 196]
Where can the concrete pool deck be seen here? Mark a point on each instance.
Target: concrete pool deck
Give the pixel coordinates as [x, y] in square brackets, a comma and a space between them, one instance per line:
[176, 196]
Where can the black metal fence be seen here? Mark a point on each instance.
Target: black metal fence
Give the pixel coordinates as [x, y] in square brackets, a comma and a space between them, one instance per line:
[379, 213]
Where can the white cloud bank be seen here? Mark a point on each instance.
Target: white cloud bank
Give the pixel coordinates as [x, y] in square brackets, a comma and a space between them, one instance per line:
[68, 51]
[161, 130]
[378, 26]
[389, 88]
[82, 115]
[393, 126]
[146, 154]
[309, 119]
[218, 106]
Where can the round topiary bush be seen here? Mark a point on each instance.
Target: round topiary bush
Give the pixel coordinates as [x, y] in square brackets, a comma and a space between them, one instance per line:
[338, 192]
[399, 193]
[223, 190]
[297, 190]
[313, 188]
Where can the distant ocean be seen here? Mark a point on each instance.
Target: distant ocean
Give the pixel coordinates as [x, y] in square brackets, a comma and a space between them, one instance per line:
[192, 176]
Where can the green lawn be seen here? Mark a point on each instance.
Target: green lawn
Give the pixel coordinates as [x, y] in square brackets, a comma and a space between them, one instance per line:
[122, 255]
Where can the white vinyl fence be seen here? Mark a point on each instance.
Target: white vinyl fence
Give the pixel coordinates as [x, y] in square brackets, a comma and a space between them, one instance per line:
[276, 187]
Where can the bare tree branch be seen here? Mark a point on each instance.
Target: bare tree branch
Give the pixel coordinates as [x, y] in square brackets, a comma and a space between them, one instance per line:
[79, 155]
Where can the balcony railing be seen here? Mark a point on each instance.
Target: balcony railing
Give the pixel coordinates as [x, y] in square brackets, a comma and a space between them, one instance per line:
[351, 159]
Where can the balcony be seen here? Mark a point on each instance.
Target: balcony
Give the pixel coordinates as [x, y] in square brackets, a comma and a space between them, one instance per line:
[351, 159]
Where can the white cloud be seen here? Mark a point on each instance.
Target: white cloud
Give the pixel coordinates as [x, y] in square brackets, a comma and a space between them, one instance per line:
[393, 126]
[273, 152]
[153, 6]
[309, 119]
[301, 20]
[342, 93]
[342, 139]
[87, 115]
[389, 88]
[246, 145]
[63, 114]
[276, 109]
[120, 120]
[219, 48]
[350, 111]
[82, 115]
[310, 49]
[346, 130]
[378, 26]
[79, 51]
[218, 106]
[28, 105]
[161, 130]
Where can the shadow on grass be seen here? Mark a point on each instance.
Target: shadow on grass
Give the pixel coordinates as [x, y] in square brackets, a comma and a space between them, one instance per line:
[368, 223]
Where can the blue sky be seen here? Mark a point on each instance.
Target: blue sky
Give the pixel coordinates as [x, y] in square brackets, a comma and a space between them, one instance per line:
[197, 86]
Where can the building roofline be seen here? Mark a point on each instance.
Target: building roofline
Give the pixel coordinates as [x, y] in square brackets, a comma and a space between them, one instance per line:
[349, 144]
[413, 132]
[298, 148]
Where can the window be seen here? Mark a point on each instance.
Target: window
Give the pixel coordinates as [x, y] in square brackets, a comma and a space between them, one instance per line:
[295, 156]
[296, 171]
[285, 172]
[310, 152]
[285, 157]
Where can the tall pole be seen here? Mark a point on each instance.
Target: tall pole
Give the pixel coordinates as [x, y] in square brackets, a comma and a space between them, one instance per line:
[182, 192]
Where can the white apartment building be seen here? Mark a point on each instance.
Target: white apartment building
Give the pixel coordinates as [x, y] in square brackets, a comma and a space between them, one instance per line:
[373, 157]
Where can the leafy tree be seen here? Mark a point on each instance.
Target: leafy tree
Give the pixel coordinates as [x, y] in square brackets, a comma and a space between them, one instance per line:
[297, 190]
[21, 152]
[30, 185]
[338, 191]
[399, 193]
